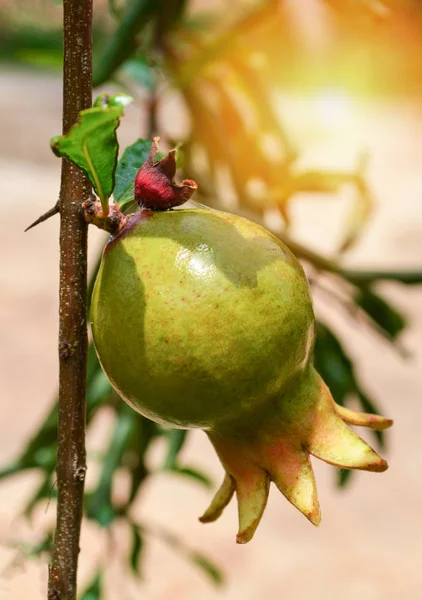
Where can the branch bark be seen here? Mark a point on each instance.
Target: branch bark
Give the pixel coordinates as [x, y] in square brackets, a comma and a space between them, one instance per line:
[71, 455]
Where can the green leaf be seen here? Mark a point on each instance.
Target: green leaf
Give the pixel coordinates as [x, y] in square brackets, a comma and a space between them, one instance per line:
[93, 592]
[40, 446]
[99, 388]
[208, 567]
[381, 311]
[104, 100]
[143, 432]
[99, 505]
[139, 70]
[176, 439]
[137, 546]
[193, 474]
[344, 477]
[91, 144]
[198, 559]
[132, 159]
[136, 15]
[33, 550]
[334, 366]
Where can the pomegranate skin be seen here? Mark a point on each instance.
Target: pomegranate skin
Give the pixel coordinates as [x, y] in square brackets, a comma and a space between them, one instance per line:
[199, 316]
[204, 319]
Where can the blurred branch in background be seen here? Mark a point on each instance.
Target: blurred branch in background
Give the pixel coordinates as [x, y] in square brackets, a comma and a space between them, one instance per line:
[227, 67]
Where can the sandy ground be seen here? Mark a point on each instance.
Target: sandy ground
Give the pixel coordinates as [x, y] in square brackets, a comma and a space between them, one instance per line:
[369, 545]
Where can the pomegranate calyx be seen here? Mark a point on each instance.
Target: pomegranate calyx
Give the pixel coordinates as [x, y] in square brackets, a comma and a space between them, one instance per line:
[279, 451]
[155, 187]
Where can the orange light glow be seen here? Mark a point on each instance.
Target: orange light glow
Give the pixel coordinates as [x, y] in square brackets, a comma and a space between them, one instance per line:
[333, 107]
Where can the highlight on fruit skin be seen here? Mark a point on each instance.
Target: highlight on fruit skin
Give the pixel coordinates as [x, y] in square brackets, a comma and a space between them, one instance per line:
[202, 319]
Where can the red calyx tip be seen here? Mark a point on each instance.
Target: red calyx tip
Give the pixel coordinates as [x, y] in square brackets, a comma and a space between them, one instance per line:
[155, 187]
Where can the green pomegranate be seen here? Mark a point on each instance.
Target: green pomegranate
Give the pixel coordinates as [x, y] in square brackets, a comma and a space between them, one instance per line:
[202, 319]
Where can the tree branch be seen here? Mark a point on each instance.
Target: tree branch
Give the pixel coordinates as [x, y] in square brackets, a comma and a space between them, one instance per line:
[71, 467]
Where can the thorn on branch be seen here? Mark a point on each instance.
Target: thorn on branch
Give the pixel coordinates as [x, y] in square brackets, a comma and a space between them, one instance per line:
[50, 213]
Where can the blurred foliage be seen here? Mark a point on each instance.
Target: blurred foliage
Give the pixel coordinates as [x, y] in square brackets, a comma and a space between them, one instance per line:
[211, 59]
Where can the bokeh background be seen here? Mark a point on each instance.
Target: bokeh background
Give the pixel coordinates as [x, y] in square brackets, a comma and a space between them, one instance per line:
[306, 115]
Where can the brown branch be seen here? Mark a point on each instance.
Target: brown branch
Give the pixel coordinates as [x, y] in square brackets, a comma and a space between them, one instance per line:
[71, 467]
[50, 213]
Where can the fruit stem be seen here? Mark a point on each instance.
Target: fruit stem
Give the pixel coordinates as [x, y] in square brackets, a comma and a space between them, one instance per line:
[94, 215]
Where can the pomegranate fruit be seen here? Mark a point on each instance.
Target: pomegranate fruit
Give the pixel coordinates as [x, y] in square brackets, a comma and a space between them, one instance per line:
[202, 319]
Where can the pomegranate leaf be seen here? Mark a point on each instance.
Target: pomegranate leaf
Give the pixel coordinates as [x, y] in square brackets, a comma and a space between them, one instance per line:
[132, 159]
[99, 505]
[91, 143]
[198, 559]
[138, 69]
[343, 477]
[137, 546]
[334, 365]
[176, 439]
[93, 592]
[381, 311]
[193, 474]
[208, 567]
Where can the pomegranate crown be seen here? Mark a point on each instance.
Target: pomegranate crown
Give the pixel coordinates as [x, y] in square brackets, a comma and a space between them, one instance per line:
[155, 187]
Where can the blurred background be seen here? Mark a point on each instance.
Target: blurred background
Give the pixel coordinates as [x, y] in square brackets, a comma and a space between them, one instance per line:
[306, 116]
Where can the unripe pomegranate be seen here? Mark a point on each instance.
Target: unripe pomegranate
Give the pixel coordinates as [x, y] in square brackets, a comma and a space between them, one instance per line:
[202, 319]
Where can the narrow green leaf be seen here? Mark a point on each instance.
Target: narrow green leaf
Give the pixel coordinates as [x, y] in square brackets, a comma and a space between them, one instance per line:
[143, 432]
[137, 546]
[99, 388]
[334, 366]
[99, 505]
[91, 144]
[381, 311]
[193, 474]
[176, 439]
[93, 592]
[135, 16]
[10, 469]
[198, 559]
[344, 477]
[208, 567]
[139, 70]
[33, 550]
[132, 159]
[43, 443]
